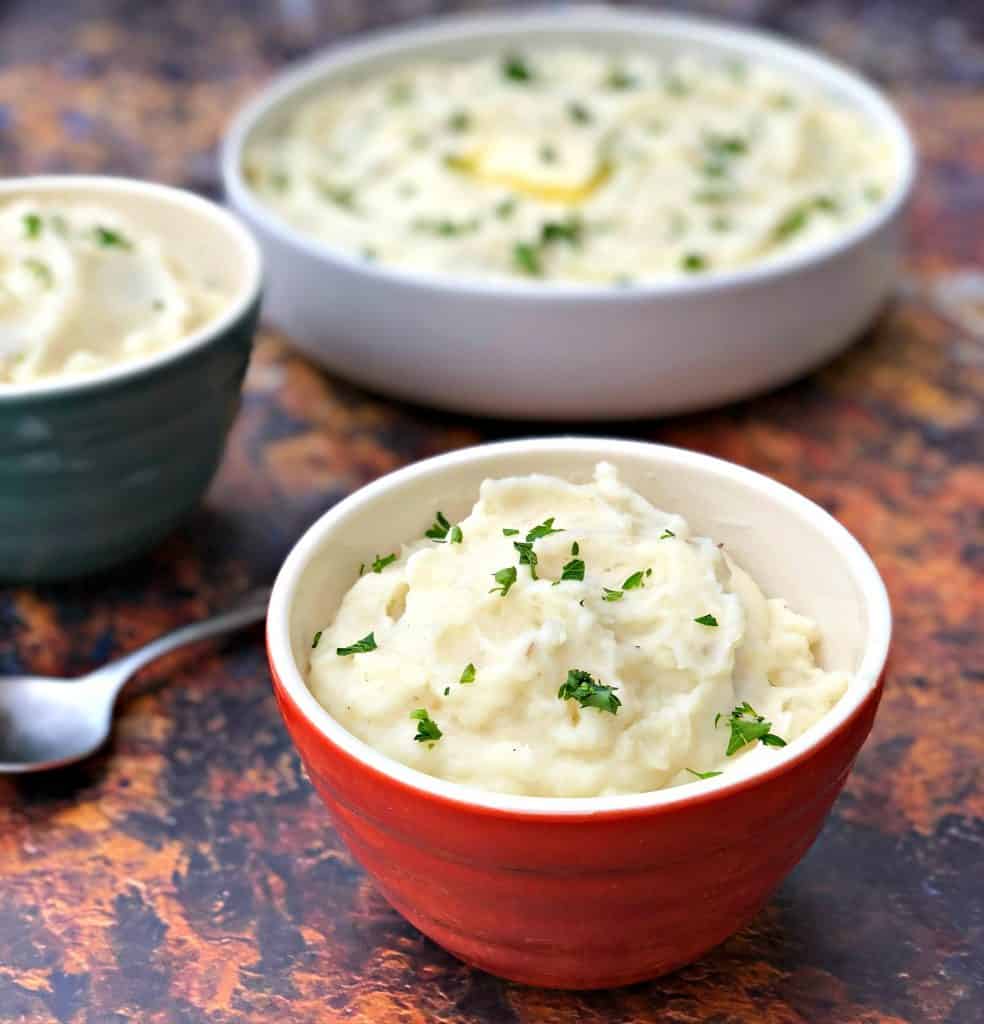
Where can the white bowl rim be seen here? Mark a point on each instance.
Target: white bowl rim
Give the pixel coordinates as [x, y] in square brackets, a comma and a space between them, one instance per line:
[404, 39]
[871, 586]
[57, 386]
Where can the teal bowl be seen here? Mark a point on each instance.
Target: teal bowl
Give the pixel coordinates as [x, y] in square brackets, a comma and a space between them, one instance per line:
[96, 469]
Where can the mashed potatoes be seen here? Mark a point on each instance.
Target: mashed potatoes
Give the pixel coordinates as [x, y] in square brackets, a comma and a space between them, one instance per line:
[82, 289]
[574, 165]
[567, 640]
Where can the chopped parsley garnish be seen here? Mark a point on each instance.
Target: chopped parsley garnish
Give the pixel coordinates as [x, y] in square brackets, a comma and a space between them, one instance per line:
[582, 687]
[32, 225]
[528, 255]
[399, 93]
[527, 556]
[611, 595]
[468, 675]
[543, 530]
[428, 731]
[447, 690]
[441, 530]
[279, 181]
[703, 775]
[706, 620]
[440, 527]
[108, 238]
[791, 224]
[579, 113]
[747, 726]
[711, 196]
[515, 68]
[505, 208]
[527, 258]
[340, 195]
[666, 533]
[548, 153]
[797, 219]
[620, 79]
[507, 531]
[573, 570]
[379, 564]
[561, 231]
[727, 145]
[676, 86]
[693, 262]
[459, 121]
[872, 193]
[444, 228]
[317, 639]
[505, 578]
[454, 162]
[637, 579]
[363, 646]
[575, 548]
[41, 271]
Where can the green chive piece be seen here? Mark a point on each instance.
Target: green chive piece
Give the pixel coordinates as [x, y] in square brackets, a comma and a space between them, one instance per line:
[515, 68]
[505, 578]
[428, 730]
[747, 726]
[363, 646]
[588, 692]
[108, 238]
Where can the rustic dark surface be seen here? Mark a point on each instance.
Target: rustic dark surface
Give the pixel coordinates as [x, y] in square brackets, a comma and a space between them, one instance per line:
[188, 874]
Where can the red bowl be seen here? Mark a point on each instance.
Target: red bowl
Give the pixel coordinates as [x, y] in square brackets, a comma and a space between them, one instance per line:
[602, 891]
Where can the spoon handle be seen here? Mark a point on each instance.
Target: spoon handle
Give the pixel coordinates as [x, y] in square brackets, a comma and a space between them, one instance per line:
[251, 610]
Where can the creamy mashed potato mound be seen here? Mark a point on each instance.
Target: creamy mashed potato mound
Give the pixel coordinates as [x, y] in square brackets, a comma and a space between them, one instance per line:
[455, 655]
[572, 165]
[83, 288]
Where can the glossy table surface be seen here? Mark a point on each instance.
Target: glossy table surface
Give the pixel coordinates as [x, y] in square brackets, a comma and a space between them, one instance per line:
[189, 874]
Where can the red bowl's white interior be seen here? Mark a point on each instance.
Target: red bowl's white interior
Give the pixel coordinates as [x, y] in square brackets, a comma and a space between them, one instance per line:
[791, 547]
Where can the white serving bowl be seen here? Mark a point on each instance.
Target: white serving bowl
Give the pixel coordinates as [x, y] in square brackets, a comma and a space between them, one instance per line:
[554, 350]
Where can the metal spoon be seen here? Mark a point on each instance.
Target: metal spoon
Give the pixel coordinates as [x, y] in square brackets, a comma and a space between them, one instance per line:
[48, 723]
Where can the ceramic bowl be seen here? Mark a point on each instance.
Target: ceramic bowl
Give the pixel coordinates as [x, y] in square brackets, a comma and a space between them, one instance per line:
[95, 469]
[586, 892]
[554, 351]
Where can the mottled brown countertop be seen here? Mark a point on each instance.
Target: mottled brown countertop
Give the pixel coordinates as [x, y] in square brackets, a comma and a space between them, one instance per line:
[189, 874]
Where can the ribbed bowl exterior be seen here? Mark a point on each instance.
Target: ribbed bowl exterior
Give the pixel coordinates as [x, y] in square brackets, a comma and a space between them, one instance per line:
[92, 476]
[586, 901]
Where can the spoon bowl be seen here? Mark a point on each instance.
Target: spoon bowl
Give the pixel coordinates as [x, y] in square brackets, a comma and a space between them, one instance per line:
[48, 723]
